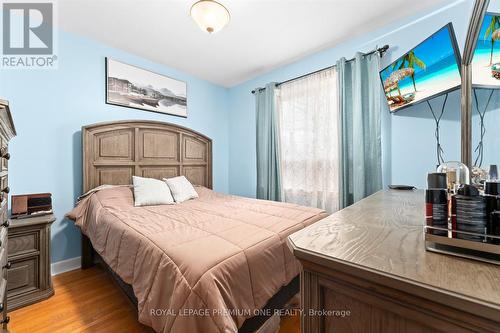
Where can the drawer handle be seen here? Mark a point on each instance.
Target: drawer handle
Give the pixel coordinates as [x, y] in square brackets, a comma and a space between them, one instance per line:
[6, 190]
[8, 265]
[6, 320]
[6, 224]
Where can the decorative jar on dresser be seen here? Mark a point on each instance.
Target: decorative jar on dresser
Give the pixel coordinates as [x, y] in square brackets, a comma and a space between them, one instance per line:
[7, 132]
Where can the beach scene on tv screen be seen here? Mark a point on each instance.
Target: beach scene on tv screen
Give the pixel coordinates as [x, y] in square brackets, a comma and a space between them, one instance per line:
[425, 71]
[486, 61]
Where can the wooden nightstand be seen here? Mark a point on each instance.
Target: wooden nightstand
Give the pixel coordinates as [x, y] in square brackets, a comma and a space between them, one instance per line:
[28, 275]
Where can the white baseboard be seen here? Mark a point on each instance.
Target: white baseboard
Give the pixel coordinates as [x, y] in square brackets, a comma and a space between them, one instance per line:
[65, 265]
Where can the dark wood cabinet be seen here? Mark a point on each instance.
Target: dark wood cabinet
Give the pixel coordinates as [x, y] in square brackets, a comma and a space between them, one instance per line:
[29, 276]
[7, 132]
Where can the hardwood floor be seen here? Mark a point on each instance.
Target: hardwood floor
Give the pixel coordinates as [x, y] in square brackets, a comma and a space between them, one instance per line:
[89, 301]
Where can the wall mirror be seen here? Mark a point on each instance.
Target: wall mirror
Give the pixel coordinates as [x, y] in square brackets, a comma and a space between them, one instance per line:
[483, 141]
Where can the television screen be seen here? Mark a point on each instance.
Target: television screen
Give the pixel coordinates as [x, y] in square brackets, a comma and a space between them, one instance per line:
[431, 68]
[486, 60]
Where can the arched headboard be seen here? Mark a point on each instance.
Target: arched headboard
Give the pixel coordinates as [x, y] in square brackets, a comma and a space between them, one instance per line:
[113, 152]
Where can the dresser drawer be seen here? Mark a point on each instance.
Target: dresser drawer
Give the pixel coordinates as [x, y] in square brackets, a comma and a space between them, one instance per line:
[22, 276]
[4, 184]
[3, 262]
[3, 291]
[3, 252]
[3, 215]
[24, 243]
[3, 237]
[4, 188]
[3, 227]
[4, 158]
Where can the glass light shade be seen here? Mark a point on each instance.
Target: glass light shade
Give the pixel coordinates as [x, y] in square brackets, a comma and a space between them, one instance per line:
[210, 15]
[456, 173]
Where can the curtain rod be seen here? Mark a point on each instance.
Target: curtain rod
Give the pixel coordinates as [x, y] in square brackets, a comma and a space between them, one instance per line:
[381, 52]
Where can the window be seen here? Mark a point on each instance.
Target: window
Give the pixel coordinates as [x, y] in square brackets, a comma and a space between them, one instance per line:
[309, 140]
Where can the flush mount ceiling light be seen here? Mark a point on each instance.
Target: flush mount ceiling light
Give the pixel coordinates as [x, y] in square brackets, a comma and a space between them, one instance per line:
[210, 15]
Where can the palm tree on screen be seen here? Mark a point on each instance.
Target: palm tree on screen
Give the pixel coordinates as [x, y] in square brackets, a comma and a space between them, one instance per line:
[410, 60]
[494, 25]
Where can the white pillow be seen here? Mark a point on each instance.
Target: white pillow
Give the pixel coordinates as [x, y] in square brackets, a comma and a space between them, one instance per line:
[181, 188]
[149, 192]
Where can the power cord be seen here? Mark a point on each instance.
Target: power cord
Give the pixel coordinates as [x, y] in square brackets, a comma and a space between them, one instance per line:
[437, 119]
[479, 149]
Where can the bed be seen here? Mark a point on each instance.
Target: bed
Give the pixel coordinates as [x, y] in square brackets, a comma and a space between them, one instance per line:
[217, 263]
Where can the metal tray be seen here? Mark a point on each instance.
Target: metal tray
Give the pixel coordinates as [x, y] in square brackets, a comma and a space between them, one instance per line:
[464, 248]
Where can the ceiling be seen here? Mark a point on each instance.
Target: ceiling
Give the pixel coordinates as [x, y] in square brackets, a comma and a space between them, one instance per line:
[262, 34]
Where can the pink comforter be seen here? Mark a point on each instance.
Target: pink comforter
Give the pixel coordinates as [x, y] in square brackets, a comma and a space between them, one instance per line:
[204, 265]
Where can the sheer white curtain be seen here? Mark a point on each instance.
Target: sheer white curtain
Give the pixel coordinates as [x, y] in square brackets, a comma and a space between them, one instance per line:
[309, 137]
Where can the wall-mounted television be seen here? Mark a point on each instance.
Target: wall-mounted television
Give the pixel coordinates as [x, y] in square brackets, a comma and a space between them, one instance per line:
[429, 69]
[486, 60]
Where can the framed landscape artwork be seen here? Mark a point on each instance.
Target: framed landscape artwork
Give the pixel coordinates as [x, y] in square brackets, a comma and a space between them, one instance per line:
[138, 88]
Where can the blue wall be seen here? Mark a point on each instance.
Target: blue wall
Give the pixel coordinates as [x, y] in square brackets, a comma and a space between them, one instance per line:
[408, 138]
[50, 106]
[491, 140]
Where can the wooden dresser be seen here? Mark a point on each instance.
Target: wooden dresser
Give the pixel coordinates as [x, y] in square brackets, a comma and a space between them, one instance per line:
[365, 269]
[7, 132]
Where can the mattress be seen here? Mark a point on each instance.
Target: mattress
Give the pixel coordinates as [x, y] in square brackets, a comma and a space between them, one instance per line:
[204, 265]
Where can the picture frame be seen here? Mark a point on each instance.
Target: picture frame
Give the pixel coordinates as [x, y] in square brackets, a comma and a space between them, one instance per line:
[137, 88]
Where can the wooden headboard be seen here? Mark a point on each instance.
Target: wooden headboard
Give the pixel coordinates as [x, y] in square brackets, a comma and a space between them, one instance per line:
[113, 152]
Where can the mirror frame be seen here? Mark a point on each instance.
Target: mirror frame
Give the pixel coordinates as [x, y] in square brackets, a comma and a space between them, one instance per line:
[476, 20]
